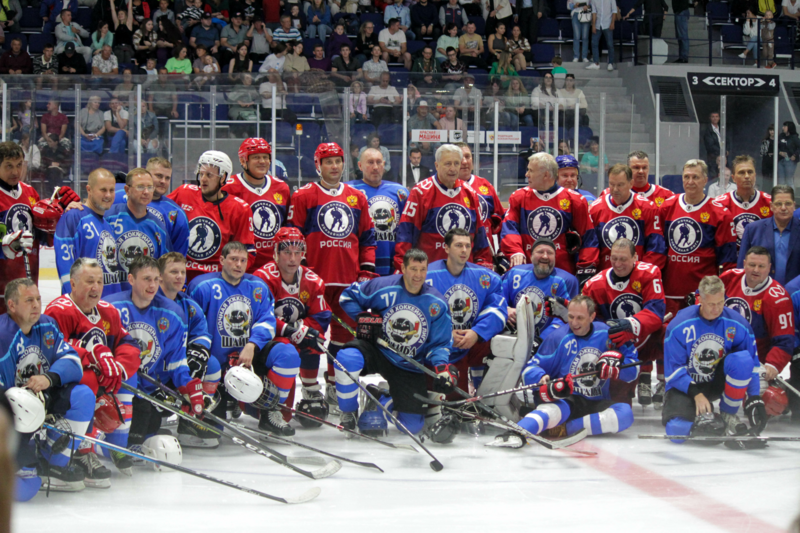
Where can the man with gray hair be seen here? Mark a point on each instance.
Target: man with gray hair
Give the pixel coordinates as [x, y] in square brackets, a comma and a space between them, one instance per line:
[438, 204]
[544, 209]
[710, 354]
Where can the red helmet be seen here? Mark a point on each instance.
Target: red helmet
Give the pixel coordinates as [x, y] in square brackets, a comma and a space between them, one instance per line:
[327, 150]
[252, 146]
[775, 400]
[288, 237]
[108, 413]
[46, 214]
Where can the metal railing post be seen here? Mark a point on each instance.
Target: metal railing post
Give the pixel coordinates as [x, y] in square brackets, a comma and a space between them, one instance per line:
[496, 121]
[274, 131]
[476, 150]
[658, 139]
[139, 125]
[723, 122]
[404, 165]
[601, 166]
[213, 134]
[76, 177]
[776, 128]
[5, 109]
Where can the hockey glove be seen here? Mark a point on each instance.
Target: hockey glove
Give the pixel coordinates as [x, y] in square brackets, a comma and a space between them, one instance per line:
[15, 243]
[306, 337]
[573, 242]
[365, 275]
[556, 390]
[556, 306]
[369, 326]
[620, 331]
[756, 413]
[233, 359]
[608, 365]
[193, 391]
[197, 358]
[446, 378]
[690, 299]
[584, 274]
[109, 371]
[66, 196]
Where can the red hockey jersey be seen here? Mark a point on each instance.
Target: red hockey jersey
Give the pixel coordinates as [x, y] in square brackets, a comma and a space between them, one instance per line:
[101, 326]
[340, 234]
[768, 309]
[745, 212]
[491, 209]
[636, 220]
[269, 205]
[700, 238]
[639, 298]
[211, 226]
[16, 215]
[431, 210]
[550, 214]
[655, 193]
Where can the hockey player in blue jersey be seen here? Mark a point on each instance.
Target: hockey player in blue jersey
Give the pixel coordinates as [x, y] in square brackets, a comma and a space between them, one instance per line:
[34, 354]
[387, 200]
[165, 210]
[241, 321]
[83, 232]
[582, 403]
[408, 316]
[709, 354]
[137, 231]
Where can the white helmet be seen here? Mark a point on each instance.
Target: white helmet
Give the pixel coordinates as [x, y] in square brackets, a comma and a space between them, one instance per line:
[28, 409]
[164, 448]
[243, 384]
[217, 159]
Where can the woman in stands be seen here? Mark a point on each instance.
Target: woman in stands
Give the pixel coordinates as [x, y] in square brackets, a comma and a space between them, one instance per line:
[568, 97]
[448, 38]
[144, 42]
[520, 49]
[543, 99]
[365, 41]
[518, 100]
[101, 37]
[503, 70]
[123, 32]
[497, 41]
[580, 28]
[242, 62]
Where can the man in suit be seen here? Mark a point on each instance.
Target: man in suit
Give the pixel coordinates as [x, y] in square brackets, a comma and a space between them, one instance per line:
[415, 170]
[779, 234]
[711, 143]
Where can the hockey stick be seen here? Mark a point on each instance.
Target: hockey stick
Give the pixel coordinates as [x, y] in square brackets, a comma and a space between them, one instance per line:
[268, 435]
[344, 429]
[720, 438]
[27, 264]
[309, 495]
[787, 385]
[246, 441]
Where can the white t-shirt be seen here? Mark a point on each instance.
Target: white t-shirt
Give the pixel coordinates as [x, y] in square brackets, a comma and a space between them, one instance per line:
[392, 42]
[389, 92]
[109, 117]
[791, 8]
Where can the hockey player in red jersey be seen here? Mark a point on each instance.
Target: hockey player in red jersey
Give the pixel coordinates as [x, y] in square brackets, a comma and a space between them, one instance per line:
[766, 305]
[640, 166]
[746, 203]
[700, 237]
[491, 209]
[621, 213]
[216, 217]
[301, 313]
[544, 209]
[630, 299]
[437, 204]
[267, 195]
[334, 217]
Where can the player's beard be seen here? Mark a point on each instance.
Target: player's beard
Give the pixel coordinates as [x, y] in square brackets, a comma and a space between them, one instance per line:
[542, 270]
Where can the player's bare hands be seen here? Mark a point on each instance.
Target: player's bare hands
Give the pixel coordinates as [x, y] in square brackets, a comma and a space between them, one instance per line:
[517, 259]
[38, 383]
[464, 339]
[702, 404]
[74, 205]
[512, 316]
[246, 355]
[771, 372]
[545, 379]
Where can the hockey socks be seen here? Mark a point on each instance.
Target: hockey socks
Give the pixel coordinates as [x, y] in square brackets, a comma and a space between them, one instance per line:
[616, 418]
[545, 416]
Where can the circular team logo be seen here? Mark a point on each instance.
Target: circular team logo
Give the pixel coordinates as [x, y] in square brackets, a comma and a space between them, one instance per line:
[335, 220]
[585, 361]
[626, 305]
[146, 336]
[619, 228]
[19, 218]
[133, 244]
[107, 252]
[30, 363]
[92, 338]
[463, 304]
[383, 211]
[685, 235]
[544, 222]
[205, 238]
[266, 219]
[452, 216]
[741, 221]
[705, 352]
[739, 305]
[405, 328]
[483, 207]
[234, 319]
[537, 297]
[290, 310]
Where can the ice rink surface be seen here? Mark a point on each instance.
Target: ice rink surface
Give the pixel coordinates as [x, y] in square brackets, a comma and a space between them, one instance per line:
[646, 486]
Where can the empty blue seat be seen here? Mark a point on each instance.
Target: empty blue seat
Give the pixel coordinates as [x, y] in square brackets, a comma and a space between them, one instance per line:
[360, 132]
[37, 41]
[542, 53]
[718, 12]
[391, 134]
[84, 17]
[673, 182]
[548, 29]
[30, 18]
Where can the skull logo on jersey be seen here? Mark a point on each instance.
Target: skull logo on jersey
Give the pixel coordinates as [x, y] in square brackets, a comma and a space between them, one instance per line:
[626, 305]
[741, 221]
[205, 238]
[452, 216]
[107, 257]
[741, 306]
[146, 336]
[706, 351]
[133, 244]
[290, 310]
[335, 220]
[685, 235]
[463, 304]
[619, 228]
[19, 218]
[544, 223]
[234, 319]
[266, 219]
[30, 363]
[536, 296]
[585, 361]
[383, 211]
[405, 329]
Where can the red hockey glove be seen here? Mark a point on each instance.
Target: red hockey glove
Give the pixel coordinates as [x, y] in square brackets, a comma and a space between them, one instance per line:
[556, 306]
[365, 275]
[621, 331]
[608, 365]
[233, 359]
[15, 243]
[193, 391]
[369, 326]
[66, 196]
[109, 371]
[446, 378]
[556, 390]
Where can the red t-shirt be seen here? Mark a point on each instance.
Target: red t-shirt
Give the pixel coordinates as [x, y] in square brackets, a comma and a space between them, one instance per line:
[54, 123]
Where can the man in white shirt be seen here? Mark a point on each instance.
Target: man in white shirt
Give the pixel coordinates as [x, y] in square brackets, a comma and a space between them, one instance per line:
[393, 44]
[385, 99]
[116, 122]
[275, 61]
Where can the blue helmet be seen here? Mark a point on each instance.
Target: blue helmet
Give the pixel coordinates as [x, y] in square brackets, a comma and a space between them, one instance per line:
[567, 161]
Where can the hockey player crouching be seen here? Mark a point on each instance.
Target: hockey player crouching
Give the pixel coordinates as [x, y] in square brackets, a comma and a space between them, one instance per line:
[582, 403]
[240, 316]
[407, 315]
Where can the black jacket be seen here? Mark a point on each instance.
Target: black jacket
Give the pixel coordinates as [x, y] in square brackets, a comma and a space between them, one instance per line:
[424, 15]
[76, 61]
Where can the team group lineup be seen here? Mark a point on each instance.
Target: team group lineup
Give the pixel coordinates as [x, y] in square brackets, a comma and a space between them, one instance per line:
[543, 320]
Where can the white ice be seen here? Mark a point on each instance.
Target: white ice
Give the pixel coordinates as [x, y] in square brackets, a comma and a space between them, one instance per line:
[646, 486]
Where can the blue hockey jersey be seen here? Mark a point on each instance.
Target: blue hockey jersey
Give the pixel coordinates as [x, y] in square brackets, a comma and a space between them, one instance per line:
[564, 353]
[136, 236]
[196, 325]
[475, 299]
[694, 345]
[235, 315]
[42, 350]
[418, 325]
[120, 197]
[87, 234]
[160, 330]
[386, 204]
[793, 290]
[522, 280]
[174, 219]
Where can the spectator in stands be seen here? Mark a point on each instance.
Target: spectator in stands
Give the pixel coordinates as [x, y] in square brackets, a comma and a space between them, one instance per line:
[453, 12]
[768, 40]
[448, 39]
[91, 126]
[344, 66]
[424, 68]
[393, 44]
[318, 15]
[373, 68]
[105, 62]
[520, 49]
[398, 11]
[149, 137]
[71, 32]
[265, 90]
[681, 10]
[231, 37]
[164, 11]
[415, 169]
[123, 32]
[145, 40]
[69, 62]
[365, 41]
[206, 34]
[357, 103]
[260, 40]
[467, 95]
[299, 20]
[241, 63]
[581, 11]
[497, 43]
[101, 37]
[16, 60]
[116, 126]
[495, 95]
[470, 48]
[251, 10]
[543, 99]
[150, 70]
[286, 32]
[47, 63]
[190, 16]
[568, 97]
[179, 63]
[169, 38]
[788, 153]
[767, 153]
[750, 30]
[50, 12]
[425, 20]
[791, 10]
[502, 70]
[374, 141]
[31, 153]
[528, 14]
[208, 66]
[124, 90]
[141, 12]
[26, 118]
[604, 13]
[384, 98]
[563, 147]
[517, 102]
[590, 162]
[243, 106]
[53, 127]
[422, 119]
[199, 63]
[354, 172]
[722, 185]
[319, 61]
[453, 69]
[295, 62]
[277, 60]
[655, 11]
[162, 99]
[337, 40]
[218, 9]
[711, 143]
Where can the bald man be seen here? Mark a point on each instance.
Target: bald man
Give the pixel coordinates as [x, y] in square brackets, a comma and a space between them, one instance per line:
[83, 232]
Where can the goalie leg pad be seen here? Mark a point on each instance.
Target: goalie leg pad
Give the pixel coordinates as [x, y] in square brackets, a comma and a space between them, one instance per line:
[503, 371]
[546, 416]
